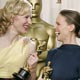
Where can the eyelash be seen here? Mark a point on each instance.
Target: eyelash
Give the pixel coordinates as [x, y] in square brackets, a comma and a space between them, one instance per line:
[28, 17]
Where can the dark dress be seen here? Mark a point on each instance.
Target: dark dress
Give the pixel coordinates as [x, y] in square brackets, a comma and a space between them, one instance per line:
[65, 62]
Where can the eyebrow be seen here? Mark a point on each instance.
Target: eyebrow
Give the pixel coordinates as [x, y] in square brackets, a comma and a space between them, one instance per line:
[57, 23]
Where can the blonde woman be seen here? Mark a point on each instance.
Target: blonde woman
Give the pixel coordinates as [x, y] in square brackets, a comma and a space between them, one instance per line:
[16, 51]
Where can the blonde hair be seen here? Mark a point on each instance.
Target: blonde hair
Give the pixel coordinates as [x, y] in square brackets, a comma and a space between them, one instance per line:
[12, 8]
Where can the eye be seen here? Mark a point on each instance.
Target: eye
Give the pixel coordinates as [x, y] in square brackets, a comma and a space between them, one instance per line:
[27, 17]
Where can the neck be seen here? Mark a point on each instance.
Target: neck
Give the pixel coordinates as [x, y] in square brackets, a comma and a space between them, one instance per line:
[70, 40]
[11, 34]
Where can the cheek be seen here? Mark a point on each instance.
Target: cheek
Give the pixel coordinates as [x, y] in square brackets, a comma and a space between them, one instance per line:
[64, 33]
[20, 20]
[17, 21]
[20, 23]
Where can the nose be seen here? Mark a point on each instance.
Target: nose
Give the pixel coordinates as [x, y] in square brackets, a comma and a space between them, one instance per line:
[29, 20]
[55, 27]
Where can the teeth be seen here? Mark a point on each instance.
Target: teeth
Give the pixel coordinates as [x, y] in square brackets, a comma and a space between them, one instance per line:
[57, 33]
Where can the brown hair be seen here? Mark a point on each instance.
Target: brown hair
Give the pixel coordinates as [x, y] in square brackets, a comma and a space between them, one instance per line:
[72, 17]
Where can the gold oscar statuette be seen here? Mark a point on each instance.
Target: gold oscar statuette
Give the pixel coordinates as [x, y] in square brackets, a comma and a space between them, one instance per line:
[24, 73]
[47, 70]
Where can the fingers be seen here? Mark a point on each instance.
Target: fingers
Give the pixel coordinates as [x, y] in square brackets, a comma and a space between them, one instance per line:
[33, 59]
[33, 56]
[35, 53]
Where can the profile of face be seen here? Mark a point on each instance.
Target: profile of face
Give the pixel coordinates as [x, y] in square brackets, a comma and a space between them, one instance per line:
[62, 28]
[36, 7]
[21, 23]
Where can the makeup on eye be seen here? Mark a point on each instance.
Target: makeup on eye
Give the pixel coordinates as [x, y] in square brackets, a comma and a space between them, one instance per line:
[28, 17]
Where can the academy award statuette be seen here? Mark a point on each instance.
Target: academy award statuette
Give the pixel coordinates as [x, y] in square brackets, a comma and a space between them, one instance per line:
[47, 72]
[23, 74]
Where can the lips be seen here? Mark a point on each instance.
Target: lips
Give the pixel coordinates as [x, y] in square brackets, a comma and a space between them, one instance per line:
[26, 27]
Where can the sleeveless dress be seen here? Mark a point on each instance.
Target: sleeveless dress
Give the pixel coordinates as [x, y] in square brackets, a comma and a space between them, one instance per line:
[14, 57]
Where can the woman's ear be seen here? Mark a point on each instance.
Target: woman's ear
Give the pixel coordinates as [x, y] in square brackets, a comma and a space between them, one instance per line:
[71, 27]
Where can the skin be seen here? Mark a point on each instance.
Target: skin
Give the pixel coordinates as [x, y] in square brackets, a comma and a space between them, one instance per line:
[67, 36]
[14, 31]
[23, 22]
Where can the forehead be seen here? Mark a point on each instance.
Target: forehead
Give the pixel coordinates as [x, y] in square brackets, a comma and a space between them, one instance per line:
[61, 18]
[28, 14]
